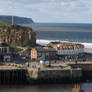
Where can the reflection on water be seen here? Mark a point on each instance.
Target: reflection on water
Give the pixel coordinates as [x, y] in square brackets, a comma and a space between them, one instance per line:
[45, 88]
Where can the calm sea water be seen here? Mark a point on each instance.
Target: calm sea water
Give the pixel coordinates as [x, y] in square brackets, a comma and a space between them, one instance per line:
[45, 88]
[65, 32]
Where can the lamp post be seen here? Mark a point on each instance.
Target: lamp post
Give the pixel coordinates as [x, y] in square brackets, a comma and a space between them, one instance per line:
[12, 20]
[12, 7]
[76, 62]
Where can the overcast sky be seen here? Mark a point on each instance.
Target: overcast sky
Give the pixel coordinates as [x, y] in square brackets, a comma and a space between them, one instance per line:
[60, 11]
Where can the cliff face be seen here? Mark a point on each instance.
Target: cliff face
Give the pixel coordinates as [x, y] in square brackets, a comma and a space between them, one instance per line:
[17, 20]
[17, 35]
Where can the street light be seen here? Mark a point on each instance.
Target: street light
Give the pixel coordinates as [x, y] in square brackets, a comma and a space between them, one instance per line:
[12, 7]
[12, 20]
[76, 59]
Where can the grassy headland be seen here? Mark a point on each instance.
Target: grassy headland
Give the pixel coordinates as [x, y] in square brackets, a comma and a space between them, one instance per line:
[5, 24]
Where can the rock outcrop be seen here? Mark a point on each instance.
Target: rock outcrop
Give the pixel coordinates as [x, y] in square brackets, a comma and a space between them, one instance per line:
[16, 35]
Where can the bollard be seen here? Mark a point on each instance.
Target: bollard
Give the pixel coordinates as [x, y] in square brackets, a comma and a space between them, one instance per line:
[39, 69]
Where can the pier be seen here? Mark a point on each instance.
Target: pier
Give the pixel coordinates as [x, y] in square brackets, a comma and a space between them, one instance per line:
[61, 73]
[11, 74]
[86, 66]
[86, 69]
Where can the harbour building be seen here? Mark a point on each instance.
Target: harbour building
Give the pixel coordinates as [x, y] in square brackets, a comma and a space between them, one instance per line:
[68, 51]
[4, 48]
[4, 52]
[44, 53]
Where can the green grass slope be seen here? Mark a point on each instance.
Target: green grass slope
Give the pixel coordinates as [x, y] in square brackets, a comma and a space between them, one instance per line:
[5, 24]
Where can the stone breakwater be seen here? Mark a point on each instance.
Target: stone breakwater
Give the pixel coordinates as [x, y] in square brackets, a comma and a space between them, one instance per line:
[37, 73]
[17, 35]
[86, 69]
[20, 74]
[53, 74]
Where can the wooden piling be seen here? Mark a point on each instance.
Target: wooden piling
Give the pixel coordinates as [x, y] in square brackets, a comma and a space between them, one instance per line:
[16, 76]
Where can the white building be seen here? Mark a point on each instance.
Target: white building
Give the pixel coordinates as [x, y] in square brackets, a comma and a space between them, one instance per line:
[67, 50]
[4, 48]
[4, 52]
[70, 49]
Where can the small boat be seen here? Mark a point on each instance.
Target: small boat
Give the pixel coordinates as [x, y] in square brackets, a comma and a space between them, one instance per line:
[77, 88]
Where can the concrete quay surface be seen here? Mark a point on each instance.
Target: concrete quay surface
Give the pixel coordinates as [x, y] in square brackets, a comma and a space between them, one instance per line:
[8, 67]
[85, 66]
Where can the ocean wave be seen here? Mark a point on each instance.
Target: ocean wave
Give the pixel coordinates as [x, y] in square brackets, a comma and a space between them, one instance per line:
[45, 42]
[87, 45]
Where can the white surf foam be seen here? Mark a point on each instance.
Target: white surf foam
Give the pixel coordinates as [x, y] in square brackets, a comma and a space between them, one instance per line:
[87, 45]
[45, 42]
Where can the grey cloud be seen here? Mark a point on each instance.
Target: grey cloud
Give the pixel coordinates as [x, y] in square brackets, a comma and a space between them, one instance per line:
[30, 1]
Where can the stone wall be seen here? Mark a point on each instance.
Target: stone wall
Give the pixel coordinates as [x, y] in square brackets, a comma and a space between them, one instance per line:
[58, 75]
